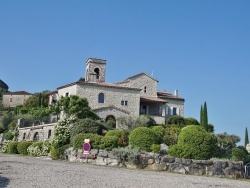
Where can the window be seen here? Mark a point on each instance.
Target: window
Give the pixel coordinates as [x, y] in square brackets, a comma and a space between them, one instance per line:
[145, 89]
[11, 99]
[101, 98]
[97, 71]
[67, 94]
[166, 110]
[24, 136]
[160, 110]
[124, 103]
[49, 133]
[174, 111]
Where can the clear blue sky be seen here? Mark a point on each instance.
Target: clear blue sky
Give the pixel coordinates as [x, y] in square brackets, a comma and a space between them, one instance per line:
[201, 48]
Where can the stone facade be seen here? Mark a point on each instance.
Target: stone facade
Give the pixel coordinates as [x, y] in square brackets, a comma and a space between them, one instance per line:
[12, 99]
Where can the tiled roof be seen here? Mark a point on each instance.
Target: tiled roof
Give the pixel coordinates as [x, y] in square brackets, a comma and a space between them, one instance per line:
[18, 93]
[99, 84]
[112, 106]
[142, 73]
[166, 95]
[152, 99]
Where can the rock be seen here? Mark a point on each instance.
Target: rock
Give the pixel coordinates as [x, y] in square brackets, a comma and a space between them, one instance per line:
[102, 153]
[167, 159]
[163, 149]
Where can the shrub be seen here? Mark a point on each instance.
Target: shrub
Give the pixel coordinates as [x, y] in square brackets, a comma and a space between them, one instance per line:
[23, 146]
[155, 148]
[176, 120]
[144, 121]
[111, 124]
[8, 135]
[5, 146]
[171, 135]
[194, 142]
[159, 132]
[39, 148]
[12, 148]
[240, 154]
[116, 133]
[109, 142]
[87, 126]
[58, 153]
[126, 154]
[121, 135]
[143, 138]
[191, 121]
[78, 140]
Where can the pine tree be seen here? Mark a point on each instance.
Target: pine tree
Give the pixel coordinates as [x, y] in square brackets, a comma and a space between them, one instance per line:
[246, 137]
[204, 117]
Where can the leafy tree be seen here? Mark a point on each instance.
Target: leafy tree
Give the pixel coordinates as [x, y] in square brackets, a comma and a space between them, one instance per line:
[226, 141]
[210, 128]
[246, 137]
[40, 99]
[126, 122]
[240, 154]
[171, 135]
[194, 142]
[144, 121]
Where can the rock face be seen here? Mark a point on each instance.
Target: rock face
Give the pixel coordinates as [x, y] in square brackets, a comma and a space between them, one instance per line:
[151, 161]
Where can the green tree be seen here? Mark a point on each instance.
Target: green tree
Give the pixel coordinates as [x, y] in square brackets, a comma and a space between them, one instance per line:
[204, 117]
[191, 121]
[194, 142]
[246, 137]
[240, 154]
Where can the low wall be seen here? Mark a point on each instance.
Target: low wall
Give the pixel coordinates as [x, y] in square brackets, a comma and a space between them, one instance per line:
[150, 161]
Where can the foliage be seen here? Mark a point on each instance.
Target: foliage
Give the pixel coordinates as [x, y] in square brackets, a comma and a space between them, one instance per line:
[110, 124]
[204, 117]
[39, 148]
[62, 132]
[87, 126]
[23, 146]
[126, 122]
[5, 145]
[78, 140]
[191, 121]
[109, 142]
[12, 125]
[246, 137]
[144, 121]
[58, 153]
[77, 106]
[240, 154]
[5, 121]
[226, 141]
[171, 135]
[194, 143]
[8, 135]
[121, 135]
[126, 154]
[210, 128]
[143, 138]
[176, 120]
[12, 148]
[159, 131]
[155, 148]
[40, 99]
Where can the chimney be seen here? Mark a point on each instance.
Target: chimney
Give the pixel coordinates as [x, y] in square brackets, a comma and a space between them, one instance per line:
[176, 93]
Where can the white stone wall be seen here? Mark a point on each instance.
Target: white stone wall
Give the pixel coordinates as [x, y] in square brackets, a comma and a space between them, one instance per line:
[70, 89]
[112, 96]
[174, 103]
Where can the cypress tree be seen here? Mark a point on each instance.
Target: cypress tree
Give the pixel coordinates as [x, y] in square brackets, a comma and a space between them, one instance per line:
[246, 137]
[204, 117]
[201, 114]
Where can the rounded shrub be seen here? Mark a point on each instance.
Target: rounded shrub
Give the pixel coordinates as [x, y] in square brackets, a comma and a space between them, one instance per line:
[191, 121]
[194, 142]
[39, 148]
[23, 146]
[12, 148]
[121, 135]
[159, 132]
[143, 138]
[109, 142]
[171, 135]
[8, 135]
[58, 153]
[155, 148]
[176, 120]
[78, 140]
[144, 121]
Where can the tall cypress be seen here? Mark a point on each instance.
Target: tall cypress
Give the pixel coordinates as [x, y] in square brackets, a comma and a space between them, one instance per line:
[246, 137]
[201, 114]
[204, 117]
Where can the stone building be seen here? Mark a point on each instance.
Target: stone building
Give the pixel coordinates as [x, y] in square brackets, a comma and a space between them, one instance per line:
[135, 95]
[12, 99]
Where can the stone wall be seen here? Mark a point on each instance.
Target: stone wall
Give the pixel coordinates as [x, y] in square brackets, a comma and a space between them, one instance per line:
[150, 161]
[14, 100]
[176, 104]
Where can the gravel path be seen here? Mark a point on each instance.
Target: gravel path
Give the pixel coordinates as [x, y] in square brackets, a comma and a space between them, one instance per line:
[30, 172]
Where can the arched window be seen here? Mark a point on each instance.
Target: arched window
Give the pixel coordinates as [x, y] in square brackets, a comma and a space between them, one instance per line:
[97, 71]
[101, 98]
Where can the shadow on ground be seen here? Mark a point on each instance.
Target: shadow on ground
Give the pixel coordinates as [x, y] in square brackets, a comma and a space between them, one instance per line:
[4, 182]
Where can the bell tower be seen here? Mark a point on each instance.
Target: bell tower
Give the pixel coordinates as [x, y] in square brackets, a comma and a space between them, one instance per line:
[95, 70]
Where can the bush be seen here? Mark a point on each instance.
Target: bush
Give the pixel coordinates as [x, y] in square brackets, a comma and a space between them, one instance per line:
[159, 132]
[87, 126]
[194, 142]
[155, 148]
[12, 148]
[5, 146]
[126, 154]
[144, 121]
[143, 138]
[78, 140]
[39, 148]
[176, 120]
[23, 146]
[171, 135]
[109, 142]
[240, 154]
[58, 153]
[8, 135]
[111, 124]
[121, 135]
[191, 121]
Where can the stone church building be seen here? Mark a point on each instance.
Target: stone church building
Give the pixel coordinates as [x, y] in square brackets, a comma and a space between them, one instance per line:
[136, 95]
